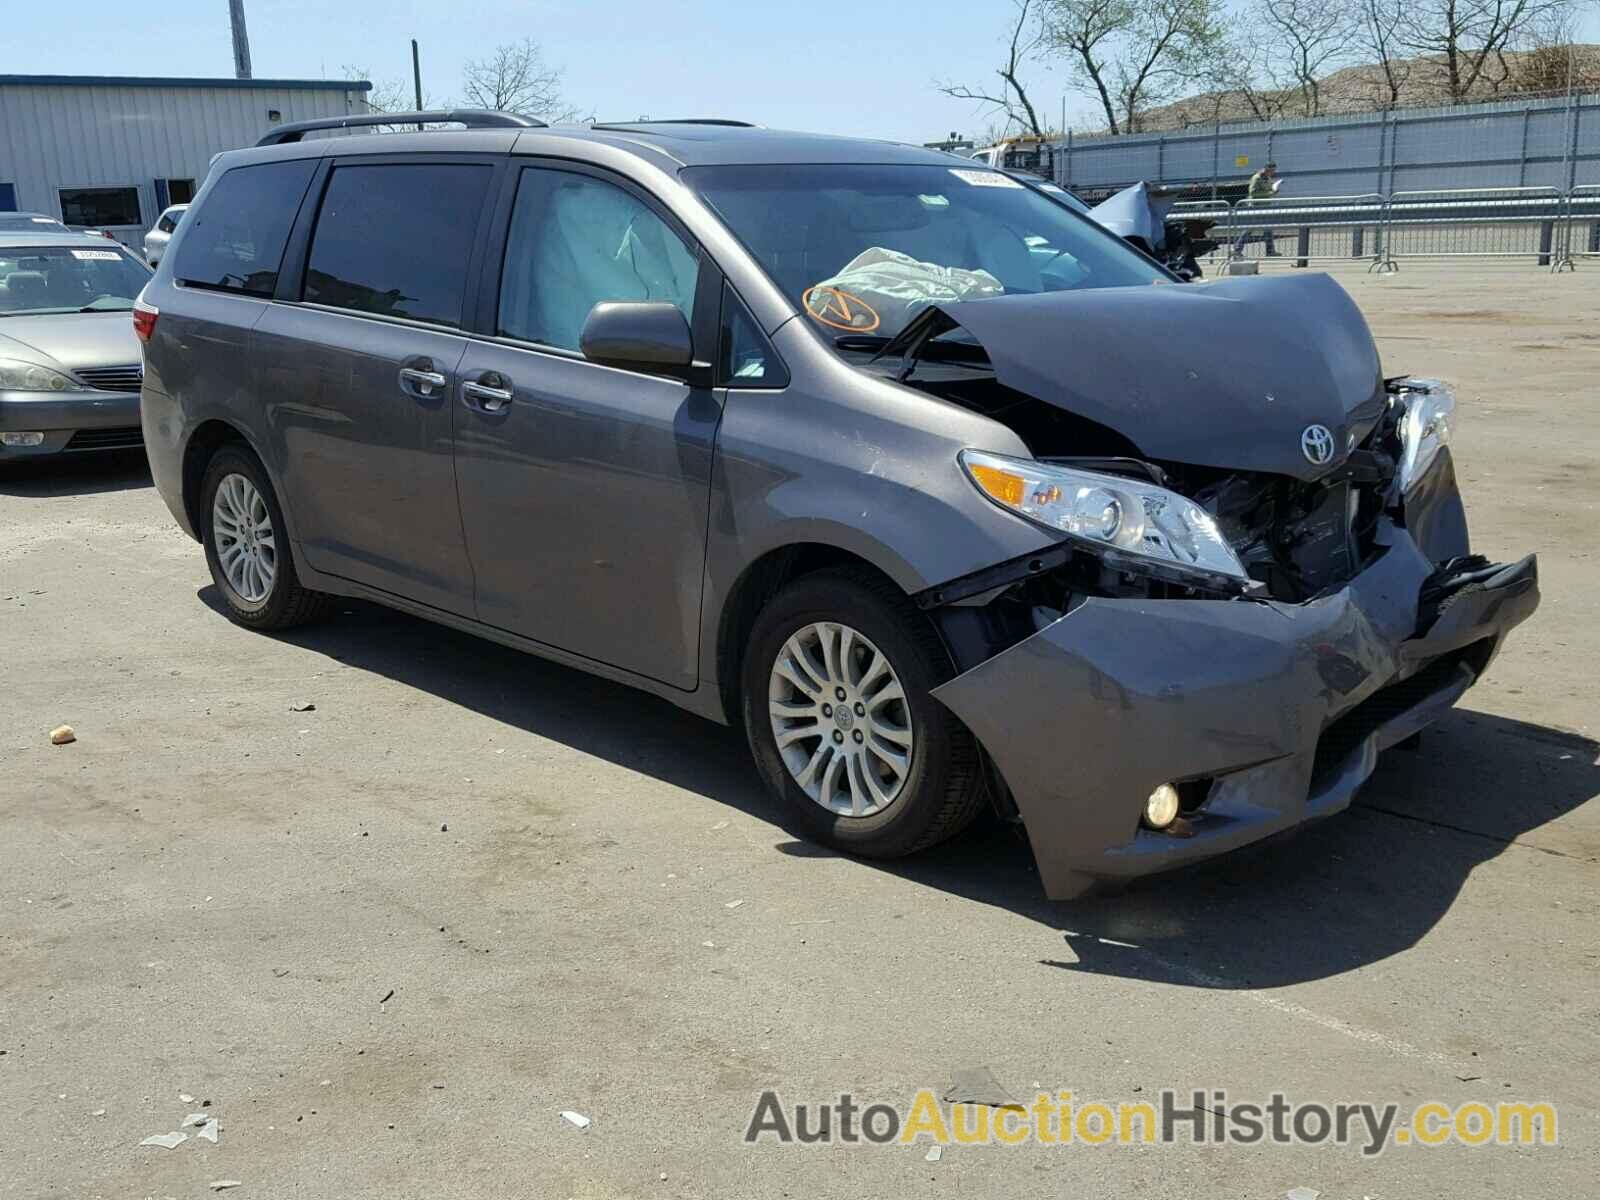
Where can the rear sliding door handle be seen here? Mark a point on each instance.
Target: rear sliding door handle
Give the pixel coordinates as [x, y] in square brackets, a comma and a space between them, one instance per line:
[486, 398]
[424, 381]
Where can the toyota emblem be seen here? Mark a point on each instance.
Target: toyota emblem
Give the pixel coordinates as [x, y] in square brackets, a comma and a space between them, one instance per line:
[1316, 443]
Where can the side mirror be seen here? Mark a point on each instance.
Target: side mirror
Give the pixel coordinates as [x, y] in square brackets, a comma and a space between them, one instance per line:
[641, 335]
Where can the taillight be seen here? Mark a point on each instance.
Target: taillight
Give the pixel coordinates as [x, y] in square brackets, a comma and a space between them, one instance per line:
[144, 320]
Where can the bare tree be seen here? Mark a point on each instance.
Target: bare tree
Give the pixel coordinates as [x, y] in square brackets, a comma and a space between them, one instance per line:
[1378, 27]
[387, 95]
[1551, 60]
[515, 78]
[1242, 73]
[1134, 54]
[1304, 40]
[1010, 98]
[1469, 37]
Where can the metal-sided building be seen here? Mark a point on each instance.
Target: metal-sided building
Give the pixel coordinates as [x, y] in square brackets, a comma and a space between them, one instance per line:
[113, 152]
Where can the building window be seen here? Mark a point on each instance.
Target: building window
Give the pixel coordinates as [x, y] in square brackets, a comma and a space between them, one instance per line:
[173, 191]
[100, 206]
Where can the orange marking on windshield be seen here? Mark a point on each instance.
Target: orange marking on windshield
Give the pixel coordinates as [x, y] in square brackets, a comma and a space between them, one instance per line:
[838, 309]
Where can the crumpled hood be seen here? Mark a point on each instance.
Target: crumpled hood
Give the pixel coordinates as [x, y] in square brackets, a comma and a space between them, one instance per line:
[71, 340]
[1227, 374]
[1132, 213]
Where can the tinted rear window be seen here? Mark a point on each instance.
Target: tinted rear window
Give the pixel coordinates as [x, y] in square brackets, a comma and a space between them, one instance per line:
[234, 241]
[393, 240]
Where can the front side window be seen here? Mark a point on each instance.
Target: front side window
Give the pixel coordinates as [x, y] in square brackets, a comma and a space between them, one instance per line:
[68, 279]
[576, 241]
[393, 239]
[234, 241]
[100, 206]
[746, 358]
[861, 249]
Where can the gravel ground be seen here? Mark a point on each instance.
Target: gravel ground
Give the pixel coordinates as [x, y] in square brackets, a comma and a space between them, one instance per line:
[392, 938]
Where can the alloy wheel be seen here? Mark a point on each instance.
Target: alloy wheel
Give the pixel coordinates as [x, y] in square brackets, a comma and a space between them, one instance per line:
[840, 718]
[246, 546]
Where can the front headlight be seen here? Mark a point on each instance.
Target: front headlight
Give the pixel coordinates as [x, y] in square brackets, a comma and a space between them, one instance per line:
[18, 376]
[1107, 511]
[1425, 430]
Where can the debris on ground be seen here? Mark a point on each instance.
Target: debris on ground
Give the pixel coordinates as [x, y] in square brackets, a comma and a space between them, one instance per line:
[167, 1141]
[1303, 1193]
[387, 996]
[61, 735]
[99, 1112]
[978, 1085]
[218, 1185]
[185, 1098]
[445, 828]
[575, 1118]
[1469, 1078]
[733, 904]
[279, 972]
[934, 1154]
[196, 1118]
[437, 1083]
[719, 825]
[302, 706]
[208, 1131]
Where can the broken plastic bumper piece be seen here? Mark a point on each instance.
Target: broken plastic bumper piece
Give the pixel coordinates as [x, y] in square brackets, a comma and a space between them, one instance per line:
[1265, 715]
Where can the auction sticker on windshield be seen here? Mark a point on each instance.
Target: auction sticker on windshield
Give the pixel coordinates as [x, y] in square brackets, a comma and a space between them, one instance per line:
[984, 178]
[97, 255]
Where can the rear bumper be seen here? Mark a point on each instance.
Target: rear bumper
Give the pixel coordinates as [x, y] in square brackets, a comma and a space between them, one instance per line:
[1283, 707]
[110, 418]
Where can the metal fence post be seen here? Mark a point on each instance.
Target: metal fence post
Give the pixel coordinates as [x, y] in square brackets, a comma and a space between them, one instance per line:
[1216, 155]
[1161, 159]
[1522, 159]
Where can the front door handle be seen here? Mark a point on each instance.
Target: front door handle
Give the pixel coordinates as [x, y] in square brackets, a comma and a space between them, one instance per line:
[423, 381]
[485, 396]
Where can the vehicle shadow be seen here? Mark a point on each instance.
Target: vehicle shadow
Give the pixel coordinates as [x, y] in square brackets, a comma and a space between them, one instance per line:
[1341, 894]
[75, 474]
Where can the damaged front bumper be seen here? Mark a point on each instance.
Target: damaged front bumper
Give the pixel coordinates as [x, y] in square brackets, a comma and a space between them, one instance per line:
[1278, 709]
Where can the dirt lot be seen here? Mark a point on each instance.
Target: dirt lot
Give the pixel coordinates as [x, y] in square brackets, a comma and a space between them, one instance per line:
[212, 895]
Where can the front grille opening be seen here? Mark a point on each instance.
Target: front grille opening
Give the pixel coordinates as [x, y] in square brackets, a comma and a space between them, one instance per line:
[122, 437]
[1340, 739]
[113, 379]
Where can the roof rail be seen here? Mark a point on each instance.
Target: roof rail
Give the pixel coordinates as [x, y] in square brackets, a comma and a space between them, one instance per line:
[472, 118]
[727, 121]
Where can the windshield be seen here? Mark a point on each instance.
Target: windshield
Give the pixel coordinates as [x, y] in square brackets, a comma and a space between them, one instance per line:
[863, 249]
[28, 223]
[1056, 192]
[58, 279]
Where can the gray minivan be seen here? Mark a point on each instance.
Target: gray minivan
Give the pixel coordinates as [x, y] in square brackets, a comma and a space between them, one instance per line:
[885, 456]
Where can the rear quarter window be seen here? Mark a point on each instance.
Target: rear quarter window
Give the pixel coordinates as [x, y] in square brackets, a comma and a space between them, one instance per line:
[234, 241]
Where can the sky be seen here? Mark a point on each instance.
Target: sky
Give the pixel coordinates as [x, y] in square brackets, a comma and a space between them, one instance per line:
[865, 69]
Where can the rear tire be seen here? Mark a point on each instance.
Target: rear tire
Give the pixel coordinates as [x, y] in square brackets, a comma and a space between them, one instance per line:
[247, 545]
[907, 775]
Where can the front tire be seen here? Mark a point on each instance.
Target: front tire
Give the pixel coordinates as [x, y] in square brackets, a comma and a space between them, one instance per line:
[836, 689]
[247, 545]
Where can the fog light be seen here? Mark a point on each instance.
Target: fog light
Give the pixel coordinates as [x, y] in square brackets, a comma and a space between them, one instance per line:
[21, 439]
[1161, 809]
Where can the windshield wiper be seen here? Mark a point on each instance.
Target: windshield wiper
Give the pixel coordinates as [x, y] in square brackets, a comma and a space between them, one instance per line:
[860, 341]
[92, 308]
